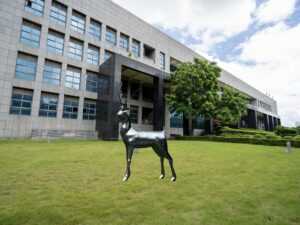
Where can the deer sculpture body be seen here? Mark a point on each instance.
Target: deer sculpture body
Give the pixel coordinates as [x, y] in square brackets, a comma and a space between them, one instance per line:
[138, 139]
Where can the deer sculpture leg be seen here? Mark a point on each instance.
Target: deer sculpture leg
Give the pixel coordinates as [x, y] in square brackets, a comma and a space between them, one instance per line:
[162, 151]
[168, 156]
[129, 152]
[173, 179]
[162, 175]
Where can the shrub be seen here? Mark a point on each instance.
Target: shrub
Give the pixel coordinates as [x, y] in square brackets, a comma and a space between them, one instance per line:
[271, 136]
[258, 136]
[232, 139]
[297, 137]
[285, 131]
[288, 138]
[246, 136]
[231, 131]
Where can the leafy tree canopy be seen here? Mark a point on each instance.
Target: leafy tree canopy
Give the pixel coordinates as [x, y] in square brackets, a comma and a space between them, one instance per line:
[231, 106]
[194, 87]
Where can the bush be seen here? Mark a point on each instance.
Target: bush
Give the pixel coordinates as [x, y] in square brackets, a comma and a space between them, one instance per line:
[258, 136]
[297, 138]
[271, 136]
[285, 131]
[246, 136]
[288, 138]
[231, 131]
[233, 139]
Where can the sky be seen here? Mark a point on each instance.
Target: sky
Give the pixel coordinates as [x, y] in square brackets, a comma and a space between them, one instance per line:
[256, 40]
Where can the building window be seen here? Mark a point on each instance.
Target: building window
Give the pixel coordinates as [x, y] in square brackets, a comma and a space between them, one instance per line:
[124, 87]
[111, 36]
[200, 122]
[55, 42]
[30, 34]
[102, 111]
[58, 13]
[135, 47]
[147, 116]
[147, 93]
[73, 78]
[70, 110]
[176, 121]
[91, 82]
[149, 53]
[134, 114]
[52, 71]
[93, 55]
[75, 49]
[21, 101]
[162, 61]
[124, 42]
[95, 29]
[48, 105]
[35, 6]
[134, 91]
[107, 55]
[96, 83]
[103, 85]
[78, 22]
[26, 66]
[89, 110]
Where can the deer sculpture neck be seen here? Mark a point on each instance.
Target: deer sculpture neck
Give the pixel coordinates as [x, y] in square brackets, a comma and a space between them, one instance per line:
[126, 123]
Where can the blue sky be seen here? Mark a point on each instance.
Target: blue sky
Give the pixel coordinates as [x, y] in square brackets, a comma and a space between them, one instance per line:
[256, 40]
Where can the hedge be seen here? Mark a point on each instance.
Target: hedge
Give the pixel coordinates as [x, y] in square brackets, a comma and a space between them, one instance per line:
[231, 139]
[231, 131]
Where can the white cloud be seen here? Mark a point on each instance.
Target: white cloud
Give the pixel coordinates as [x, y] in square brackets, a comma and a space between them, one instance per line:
[209, 21]
[276, 53]
[275, 11]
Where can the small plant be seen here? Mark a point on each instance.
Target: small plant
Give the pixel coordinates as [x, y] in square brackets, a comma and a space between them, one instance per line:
[129, 54]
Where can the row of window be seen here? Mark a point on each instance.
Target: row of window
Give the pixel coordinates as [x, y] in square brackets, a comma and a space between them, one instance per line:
[176, 121]
[26, 66]
[58, 14]
[21, 104]
[30, 35]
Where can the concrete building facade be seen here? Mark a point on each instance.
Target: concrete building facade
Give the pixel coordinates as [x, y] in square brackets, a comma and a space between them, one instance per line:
[62, 63]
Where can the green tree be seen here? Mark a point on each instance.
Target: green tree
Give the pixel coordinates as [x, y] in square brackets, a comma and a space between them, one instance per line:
[298, 129]
[194, 90]
[231, 106]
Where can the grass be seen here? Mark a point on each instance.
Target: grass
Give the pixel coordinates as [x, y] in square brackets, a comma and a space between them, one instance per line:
[80, 182]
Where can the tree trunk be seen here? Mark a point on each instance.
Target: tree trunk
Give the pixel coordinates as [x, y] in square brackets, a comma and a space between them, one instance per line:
[188, 126]
[208, 127]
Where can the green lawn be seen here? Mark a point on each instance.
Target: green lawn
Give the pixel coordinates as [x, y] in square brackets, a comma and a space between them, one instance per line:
[80, 182]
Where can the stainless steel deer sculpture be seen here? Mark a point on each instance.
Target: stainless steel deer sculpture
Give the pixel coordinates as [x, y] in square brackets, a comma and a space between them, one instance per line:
[138, 139]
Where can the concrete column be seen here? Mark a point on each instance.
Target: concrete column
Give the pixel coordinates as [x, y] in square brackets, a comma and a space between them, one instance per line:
[266, 122]
[275, 122]
[252, 119]
[158, 103]
[271, 124]
[278, 122]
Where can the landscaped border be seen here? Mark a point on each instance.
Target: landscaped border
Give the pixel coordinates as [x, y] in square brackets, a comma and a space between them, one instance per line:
[230, 139]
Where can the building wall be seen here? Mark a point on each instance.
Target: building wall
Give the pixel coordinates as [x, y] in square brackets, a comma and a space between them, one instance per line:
[108, 14]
